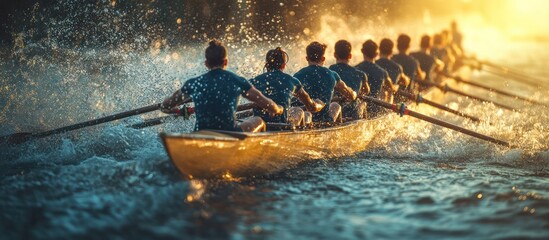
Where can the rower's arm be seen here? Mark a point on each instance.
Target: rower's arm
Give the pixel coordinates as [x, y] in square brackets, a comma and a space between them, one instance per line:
[439, 65]
[311, 105]
[263, 102]
[404, 80]
[390, 86]
[176, 99]
[420, 73]
[345, 90]
[365, 89]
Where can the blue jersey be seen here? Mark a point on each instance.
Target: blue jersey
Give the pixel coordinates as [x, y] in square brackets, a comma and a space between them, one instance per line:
[353, 77]
[426, 63]
[376, 76]
[391, 67]
[215, 96]
[319, 82]
[279, 87]
[409, 65]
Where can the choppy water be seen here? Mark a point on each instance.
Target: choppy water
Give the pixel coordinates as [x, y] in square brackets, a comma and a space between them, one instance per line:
[111, 181]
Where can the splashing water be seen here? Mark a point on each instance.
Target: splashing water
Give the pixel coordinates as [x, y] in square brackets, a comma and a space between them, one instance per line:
[417, 180]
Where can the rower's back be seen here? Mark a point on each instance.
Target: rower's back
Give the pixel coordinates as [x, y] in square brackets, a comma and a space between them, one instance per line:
[393, 68]
[279, 87]
[319, 82]
[353, 78]
[216, 95]
[426, 61]
[375, 74]
[410, 66]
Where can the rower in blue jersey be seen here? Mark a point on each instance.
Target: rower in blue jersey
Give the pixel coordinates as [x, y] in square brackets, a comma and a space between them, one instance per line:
[395, 71]
[427, 62]
[380, 83]
[320, 82]
[280, 87]
[354, 78]
[440, 52]
[409, 64]
[216, 95]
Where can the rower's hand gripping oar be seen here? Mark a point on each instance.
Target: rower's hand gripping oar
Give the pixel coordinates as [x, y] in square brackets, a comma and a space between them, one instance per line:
[18, 138]
[402, 110]
[419, 99]
[446, 88]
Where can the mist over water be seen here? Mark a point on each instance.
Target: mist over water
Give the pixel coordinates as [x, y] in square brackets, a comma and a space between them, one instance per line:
[416, 180]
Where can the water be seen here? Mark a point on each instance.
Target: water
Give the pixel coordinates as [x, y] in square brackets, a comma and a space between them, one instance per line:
[111, 181]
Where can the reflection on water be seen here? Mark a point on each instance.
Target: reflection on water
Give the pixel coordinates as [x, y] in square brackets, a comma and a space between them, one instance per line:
[110, 181]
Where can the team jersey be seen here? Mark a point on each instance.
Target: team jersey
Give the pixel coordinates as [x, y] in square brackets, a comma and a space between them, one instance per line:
[426, 62]
[279, 87]
[391, 67]
[215, 95]
[319, 82]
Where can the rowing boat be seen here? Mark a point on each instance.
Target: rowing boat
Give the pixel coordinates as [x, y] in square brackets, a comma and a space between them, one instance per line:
[213, 154]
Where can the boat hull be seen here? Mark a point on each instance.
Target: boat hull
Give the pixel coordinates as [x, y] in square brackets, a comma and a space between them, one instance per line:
[212, 154]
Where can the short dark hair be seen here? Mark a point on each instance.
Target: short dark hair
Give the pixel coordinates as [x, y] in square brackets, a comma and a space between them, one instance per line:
[342, 49]
[369, 49]
[386, 46]
[216, 53]
[275, 59]
[425, 41]
[315, 51]
[403, 42]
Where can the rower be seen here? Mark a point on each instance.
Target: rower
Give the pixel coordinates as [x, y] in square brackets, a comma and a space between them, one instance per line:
[394, 69]
[280, 87]
[440, 52]
[409, 64]
[380, 83]
[354, 78]
[320, 82]
[427, 62]
[457, 36]
[216, 94]
[453, 50]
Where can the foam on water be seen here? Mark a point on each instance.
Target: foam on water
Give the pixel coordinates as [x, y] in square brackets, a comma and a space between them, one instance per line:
[417, 180]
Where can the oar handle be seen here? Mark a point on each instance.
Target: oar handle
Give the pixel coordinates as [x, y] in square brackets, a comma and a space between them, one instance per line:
[406, 111]
[114, 117]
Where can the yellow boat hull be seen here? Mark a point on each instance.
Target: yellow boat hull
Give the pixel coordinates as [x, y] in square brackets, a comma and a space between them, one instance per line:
[213, 154]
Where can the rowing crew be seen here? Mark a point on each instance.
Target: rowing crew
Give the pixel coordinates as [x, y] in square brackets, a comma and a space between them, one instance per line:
[216, 93]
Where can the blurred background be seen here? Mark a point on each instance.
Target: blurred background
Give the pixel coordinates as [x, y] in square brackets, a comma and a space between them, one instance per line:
[138, 24]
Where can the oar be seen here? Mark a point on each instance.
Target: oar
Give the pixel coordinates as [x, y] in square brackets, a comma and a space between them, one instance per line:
[459, 79]
[405, 111]
[525, 80]
[18, 138]
[242, 112]
[446, 88]
[505, 69]
[419, 99]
